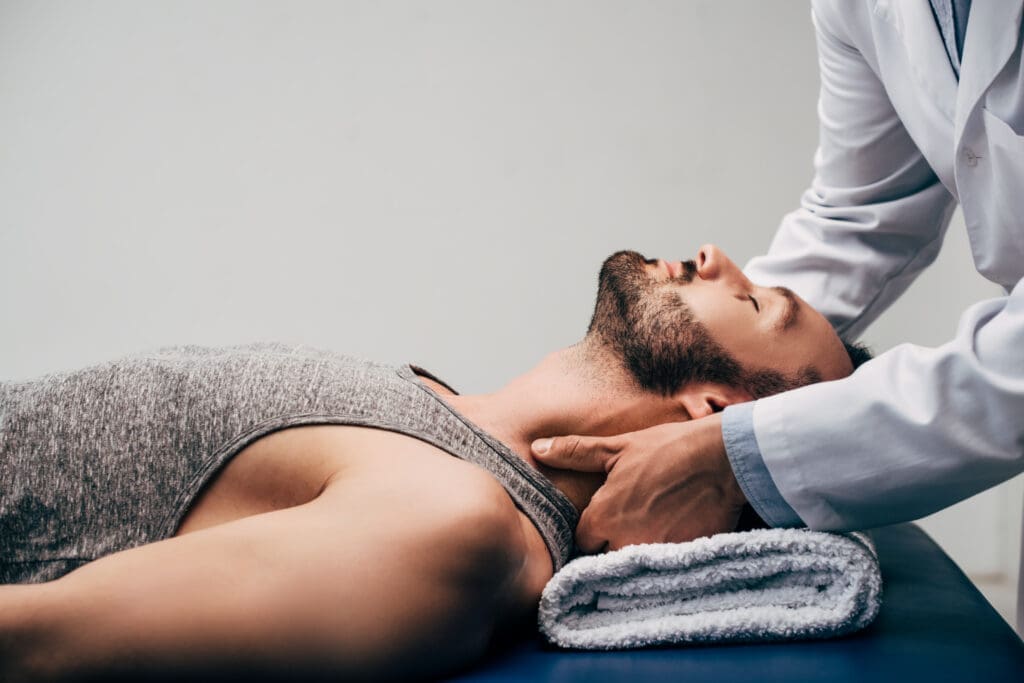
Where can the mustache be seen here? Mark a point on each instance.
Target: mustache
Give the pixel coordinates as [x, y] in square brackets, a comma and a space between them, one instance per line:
[628, 263]
[689, 271]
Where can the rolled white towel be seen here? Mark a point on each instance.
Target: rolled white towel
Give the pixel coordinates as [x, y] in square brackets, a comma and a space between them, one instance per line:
[765, 584]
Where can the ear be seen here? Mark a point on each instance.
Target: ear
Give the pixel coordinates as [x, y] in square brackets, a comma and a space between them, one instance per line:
[701, 399]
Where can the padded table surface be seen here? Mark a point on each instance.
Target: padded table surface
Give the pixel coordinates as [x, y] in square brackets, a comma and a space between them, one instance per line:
[934, 625]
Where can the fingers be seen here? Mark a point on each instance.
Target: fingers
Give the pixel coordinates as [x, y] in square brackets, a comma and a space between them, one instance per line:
[588, 540]
[578, 453]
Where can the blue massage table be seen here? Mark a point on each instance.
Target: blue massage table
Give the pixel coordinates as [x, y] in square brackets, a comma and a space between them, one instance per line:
[934, 626]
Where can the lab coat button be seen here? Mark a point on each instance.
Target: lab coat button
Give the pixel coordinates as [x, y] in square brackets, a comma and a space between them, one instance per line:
[971, 157]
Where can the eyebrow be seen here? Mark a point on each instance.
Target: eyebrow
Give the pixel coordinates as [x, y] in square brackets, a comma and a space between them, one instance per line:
[792, 312]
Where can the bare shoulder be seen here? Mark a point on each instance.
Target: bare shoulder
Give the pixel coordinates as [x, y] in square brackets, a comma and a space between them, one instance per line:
[426, 496]
[447, 509]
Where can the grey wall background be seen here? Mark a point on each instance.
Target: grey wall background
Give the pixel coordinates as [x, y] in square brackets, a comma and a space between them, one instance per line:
[409, 181]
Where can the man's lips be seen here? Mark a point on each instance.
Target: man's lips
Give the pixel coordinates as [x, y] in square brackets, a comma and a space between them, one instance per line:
[673, 268]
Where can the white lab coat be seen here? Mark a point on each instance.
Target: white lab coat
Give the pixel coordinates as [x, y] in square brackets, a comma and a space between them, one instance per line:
[916, 429]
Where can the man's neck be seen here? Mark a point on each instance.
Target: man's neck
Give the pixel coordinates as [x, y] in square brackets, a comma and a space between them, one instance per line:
[578, 390]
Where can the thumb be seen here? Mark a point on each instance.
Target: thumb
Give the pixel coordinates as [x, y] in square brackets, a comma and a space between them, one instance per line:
[579, 453]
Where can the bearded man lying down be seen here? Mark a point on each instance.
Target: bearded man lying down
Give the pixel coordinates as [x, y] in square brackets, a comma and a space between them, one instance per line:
[269, 504]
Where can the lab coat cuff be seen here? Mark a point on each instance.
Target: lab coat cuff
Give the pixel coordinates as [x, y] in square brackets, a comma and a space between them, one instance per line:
[748, 465]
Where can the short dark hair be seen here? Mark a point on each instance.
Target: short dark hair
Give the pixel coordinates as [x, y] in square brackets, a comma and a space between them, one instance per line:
[762, 383]
[859, 353]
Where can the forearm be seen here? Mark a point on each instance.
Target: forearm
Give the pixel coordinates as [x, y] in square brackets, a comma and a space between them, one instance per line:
[875, 214]
[25, 611]
[179, 600]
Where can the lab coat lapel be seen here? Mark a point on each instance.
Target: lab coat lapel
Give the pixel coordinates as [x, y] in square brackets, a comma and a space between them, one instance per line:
[925, 51]
[993, 30]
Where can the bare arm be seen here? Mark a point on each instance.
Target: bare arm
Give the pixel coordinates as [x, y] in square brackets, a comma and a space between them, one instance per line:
[357, 581]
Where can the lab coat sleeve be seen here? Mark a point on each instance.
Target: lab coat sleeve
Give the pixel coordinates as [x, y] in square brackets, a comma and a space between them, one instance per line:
[910, 432]
[875, 214]
[915, 429]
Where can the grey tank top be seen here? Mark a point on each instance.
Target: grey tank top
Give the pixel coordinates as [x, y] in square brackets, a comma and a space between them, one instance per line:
[109, 457]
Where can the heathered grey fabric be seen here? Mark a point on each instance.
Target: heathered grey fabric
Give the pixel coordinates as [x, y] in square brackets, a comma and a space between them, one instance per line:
[109, 457]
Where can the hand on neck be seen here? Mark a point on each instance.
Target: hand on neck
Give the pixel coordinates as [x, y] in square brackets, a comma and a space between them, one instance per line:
[580, 390]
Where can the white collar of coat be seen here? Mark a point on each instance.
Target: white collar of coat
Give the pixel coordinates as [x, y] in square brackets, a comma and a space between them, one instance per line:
[993, 24]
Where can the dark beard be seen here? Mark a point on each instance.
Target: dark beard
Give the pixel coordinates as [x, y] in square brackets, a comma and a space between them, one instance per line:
[652, 331]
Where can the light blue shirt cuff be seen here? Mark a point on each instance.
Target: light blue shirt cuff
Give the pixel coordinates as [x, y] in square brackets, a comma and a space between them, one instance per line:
[750, 470]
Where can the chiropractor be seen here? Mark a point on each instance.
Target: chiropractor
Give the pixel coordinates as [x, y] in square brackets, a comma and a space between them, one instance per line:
[921, 106]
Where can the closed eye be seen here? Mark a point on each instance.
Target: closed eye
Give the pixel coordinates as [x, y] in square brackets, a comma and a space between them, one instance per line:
[757, 306]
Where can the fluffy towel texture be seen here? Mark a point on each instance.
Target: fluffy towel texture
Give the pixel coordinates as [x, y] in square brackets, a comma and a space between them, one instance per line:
[765, 584]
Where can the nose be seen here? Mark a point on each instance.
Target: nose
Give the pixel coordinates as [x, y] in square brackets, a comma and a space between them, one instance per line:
[712, 264]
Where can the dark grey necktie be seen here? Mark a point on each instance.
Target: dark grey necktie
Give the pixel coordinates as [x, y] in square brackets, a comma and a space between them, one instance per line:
[951, 16]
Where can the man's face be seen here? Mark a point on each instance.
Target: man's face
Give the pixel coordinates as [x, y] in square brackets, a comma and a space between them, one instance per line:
[703, 320]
